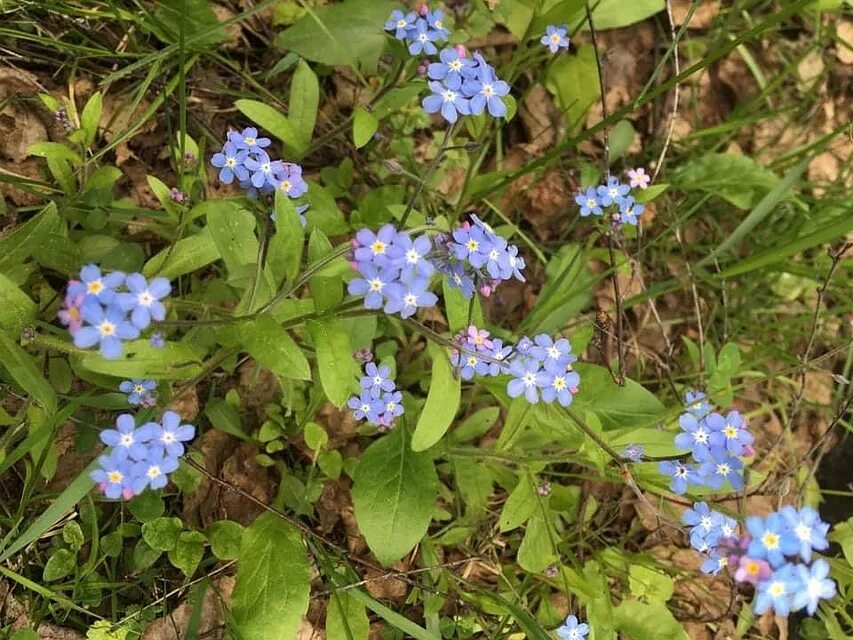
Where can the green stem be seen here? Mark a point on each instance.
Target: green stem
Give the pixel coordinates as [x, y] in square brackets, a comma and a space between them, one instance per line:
[447, 134]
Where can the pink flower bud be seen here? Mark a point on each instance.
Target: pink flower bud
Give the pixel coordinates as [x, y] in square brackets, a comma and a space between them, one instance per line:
[422, 68]
[423, 10]
[127, 493]
[461, 51]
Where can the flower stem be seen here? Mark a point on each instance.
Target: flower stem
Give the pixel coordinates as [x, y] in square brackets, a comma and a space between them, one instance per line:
[447, 134]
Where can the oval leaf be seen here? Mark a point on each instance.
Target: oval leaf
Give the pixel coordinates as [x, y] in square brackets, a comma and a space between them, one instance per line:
[441, 404]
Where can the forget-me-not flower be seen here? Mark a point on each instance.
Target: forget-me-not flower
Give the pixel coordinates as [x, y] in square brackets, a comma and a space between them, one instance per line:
[555, 37]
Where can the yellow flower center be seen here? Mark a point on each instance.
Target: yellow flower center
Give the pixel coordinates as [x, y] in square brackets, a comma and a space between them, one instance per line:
[777, 589]
[730, 432]
[249, 141]
[455, 65]
[559, 383]
[591, 203]
[115, 477]
[770, 540]
[285, 186]
[138, 388]
[472, 245]
[401, 24]
[378, 247]
[107, 328]
[376, 284]
[230, 162]
[752, 568]
[555, 38]
[153, 471]
[95, 287]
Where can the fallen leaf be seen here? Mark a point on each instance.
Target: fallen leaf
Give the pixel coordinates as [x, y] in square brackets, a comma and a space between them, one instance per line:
[844, 30]
[702, 17]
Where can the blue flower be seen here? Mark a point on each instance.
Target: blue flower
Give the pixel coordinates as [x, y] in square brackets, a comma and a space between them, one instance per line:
[572, 630]
[263, 170]
[421, 39]
[435, 19]
[248, 140]
[366, 407]
[143, 301]
[96, 285]
[137, 390]
[377, 379]
[392, 407]
[633, 452]
[613, 191]
[814, 585]
[231, 163]
[778, 591]
[157, 340]
[528, 378]
[114, 476]
[629, 210]
[458, 279]
[680, 473]
[376, 248]
[730, 432]
[169, 435]
[701, 517]
[153, 471]
[471, 244]
[452, 69]
[714, 563]
[695, 436]
[722, 467]
[444, 99]
[516, 264]
[412, 259]
[485, 90]
[555, 37]
[589, 203]
[561, 383]
[500, 353]
[771, 539]
[400, 24]
[289, 179]
[372, 285]
[125, 439]
[697, 403]
[406, 297]
[547, 349]
[468, 364]
[106, 328]
[809, 530]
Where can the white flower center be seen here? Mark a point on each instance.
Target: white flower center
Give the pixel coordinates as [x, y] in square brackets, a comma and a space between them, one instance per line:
[438, 24]
[126, 440]
[249, 141]
[555, 38]
[285, 185]
[138, 388]
[377, 379]
[770, 540]
[700, 436]
[804, 532]
[590, 203]
[412, 256]
[814, 588]
[422, 37]
[411, 300]
[266, 167]
[115, 477]
[153, 471]
[168, 437]
[449, 96]
[365, 408]
[376, 284]
[107, 328]
[776, 589]
[488, 90]
[559, 383]
[95, 287]
[553, 352]
[231, 162]
[681, 471]
[455, 65]
[723, 469]
[378, 247]
[401, 24]
[706, 523]
[529, 379]
[145, 298]
[472, 361]
[472, 245]
[730, 432]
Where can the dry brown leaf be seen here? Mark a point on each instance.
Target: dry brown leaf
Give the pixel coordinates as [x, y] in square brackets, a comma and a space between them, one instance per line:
[211, 623]
[386, 588]
[811, 67]
[186, 405]
[702, 17]
[540, 119]
[844, 53]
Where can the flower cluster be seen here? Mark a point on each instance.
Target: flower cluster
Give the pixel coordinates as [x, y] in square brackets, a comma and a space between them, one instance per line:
[539, 368]
[394, 270]
[555, 37]
[140, 393]
[140, 457]
[379, 402]
[419, 30]
[107, 309]
[774, 555]
[464, 86]
[717, 444]
[571, 629]
[243, 157]
[595, 200]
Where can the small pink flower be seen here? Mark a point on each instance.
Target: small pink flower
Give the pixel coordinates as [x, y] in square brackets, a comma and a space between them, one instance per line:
[479, 337]
[639, 178]
[70, 315]
[752, 571]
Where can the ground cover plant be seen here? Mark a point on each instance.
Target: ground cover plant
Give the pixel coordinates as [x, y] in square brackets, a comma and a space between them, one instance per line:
[475, 319]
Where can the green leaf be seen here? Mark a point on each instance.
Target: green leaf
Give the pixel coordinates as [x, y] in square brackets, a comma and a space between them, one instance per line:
[442, 402]
[189, 254]
[393, 494]
[272, 587]
[284, 254]
[90, 118]
[641, 621]
[326, 290]
[72, 534]
[269, 118]
[735, 178]
[346, 618]
[612, 14]
[335, 363]
[26, 239]
[621, 138]
[273, 348]
[24, 371]
[162, 533]
[315, 436]
[456, 307]
[144, 556]
[347, 33]
[567, 290]
[649, 583]
[364, 125]
[25, 634]
[225, 537]
[147, 506]
[535, 552]
[59, 565]
[573, 81]
[475, 425]
[616, 406]
[54, 151]
[304, 100]
[188, 551]
[16, 310]
[233, 233]
[650, 193]
[519, 506]
[474, 481]
[174, 361]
